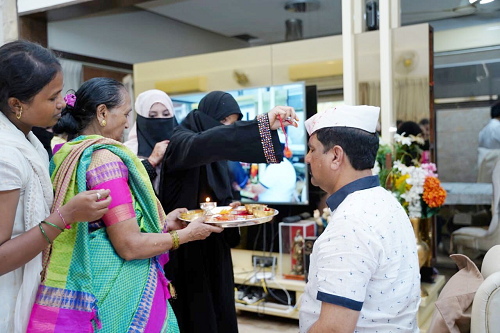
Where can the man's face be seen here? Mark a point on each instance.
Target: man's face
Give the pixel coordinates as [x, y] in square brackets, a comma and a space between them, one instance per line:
[319, 164]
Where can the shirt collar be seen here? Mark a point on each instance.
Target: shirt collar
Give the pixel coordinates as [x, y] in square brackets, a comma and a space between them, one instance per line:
[360, 184]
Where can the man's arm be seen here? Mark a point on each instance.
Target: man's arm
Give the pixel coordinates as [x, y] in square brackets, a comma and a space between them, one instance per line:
[335, 319]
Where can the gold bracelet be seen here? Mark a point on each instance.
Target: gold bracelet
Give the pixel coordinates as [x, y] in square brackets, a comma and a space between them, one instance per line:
[175, 239]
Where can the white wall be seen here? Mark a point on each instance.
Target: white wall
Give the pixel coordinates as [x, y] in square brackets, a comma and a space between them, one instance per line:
[8, 21]
[133, 37]
[467, 38]
[412, 38]
[33, 6]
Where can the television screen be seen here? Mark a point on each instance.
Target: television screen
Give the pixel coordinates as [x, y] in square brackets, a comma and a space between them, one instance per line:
[284, 183]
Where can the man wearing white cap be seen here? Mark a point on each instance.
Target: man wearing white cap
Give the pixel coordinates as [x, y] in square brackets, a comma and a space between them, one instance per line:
[364, 273]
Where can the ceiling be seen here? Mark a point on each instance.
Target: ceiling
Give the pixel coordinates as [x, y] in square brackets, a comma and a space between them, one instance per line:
[265, 19]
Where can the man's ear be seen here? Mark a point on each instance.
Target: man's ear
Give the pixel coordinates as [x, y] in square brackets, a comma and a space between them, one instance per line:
[337, 157]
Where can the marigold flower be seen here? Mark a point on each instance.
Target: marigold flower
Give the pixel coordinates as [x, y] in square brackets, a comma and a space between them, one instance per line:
[434, 195]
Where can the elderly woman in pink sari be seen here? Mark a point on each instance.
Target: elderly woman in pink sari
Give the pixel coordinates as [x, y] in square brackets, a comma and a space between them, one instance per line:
[108, 276]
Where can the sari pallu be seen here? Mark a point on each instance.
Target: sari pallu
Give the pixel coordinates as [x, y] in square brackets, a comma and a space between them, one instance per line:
[86, 286]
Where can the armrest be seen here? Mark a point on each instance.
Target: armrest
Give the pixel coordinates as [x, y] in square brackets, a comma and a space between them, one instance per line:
[486, 306]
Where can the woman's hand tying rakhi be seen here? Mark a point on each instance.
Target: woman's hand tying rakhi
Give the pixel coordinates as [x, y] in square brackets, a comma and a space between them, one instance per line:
[287, 114]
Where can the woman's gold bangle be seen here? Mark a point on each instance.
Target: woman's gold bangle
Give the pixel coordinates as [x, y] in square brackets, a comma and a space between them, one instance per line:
[175, 239]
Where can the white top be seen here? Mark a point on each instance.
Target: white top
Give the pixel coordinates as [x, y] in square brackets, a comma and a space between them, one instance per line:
[14, 174]
[279, 180]
[489, 137]
[24, 165]
[365, 260]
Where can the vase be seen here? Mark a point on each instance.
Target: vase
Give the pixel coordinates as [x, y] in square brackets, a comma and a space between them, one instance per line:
[423, 249]
[426, 236]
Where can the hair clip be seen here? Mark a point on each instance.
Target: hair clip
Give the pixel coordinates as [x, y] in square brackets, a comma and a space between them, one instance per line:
[70, 100]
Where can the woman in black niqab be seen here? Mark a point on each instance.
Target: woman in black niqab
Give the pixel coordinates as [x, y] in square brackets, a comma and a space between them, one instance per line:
[195, 168]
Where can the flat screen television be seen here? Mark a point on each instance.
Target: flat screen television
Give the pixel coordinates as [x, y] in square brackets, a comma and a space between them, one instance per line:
[284, 183]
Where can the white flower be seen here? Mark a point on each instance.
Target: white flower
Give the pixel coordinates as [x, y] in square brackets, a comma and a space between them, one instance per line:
[404, 140]
[415, 210]
[418, 139]
[376, 169]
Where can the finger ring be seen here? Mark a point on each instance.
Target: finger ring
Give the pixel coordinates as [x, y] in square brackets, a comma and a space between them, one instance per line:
[98, 196]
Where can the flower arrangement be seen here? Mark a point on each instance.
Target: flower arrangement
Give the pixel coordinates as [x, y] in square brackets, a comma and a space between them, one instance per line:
[414, 184]
[408, 148]
[383, 161]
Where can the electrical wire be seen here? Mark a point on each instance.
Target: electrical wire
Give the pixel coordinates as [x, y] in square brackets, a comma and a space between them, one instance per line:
[286, 292]
[278, 298]
[273, 236]
[257, 238]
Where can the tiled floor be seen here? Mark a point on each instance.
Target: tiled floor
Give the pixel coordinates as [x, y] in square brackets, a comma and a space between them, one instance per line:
[254, 323]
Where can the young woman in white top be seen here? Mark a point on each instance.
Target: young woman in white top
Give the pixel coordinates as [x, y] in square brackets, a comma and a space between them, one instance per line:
[31, 82]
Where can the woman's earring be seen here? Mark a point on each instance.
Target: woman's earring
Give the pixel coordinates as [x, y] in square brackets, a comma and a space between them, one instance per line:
[18, 116]
[103, 123]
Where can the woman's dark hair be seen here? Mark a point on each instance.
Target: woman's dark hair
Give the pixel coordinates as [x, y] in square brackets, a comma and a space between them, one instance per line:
[409, 128]
[25, 68]
[92, 93]
[361, 147]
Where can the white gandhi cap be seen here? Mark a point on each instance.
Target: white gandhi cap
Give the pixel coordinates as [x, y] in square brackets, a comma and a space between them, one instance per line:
[363, 117]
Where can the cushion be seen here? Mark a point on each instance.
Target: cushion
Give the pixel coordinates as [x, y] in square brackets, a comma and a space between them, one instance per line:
[454, 305]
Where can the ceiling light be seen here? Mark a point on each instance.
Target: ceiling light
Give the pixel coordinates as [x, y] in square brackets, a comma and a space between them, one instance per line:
[486, 1]
[472, 1]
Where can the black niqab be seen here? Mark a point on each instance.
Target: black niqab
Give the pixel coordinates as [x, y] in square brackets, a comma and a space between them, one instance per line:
[150, 131]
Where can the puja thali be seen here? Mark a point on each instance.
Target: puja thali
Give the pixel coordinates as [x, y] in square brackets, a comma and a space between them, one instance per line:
[228, 217]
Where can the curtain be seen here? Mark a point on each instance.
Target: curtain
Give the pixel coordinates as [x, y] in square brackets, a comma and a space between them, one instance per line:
[73, 75]
[369, 93]
[411, 97]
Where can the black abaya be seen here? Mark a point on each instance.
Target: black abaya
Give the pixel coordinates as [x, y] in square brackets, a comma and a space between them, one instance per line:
[195, 167]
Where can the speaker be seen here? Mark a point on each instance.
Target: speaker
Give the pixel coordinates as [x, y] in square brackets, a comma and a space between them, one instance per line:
[371, 15]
